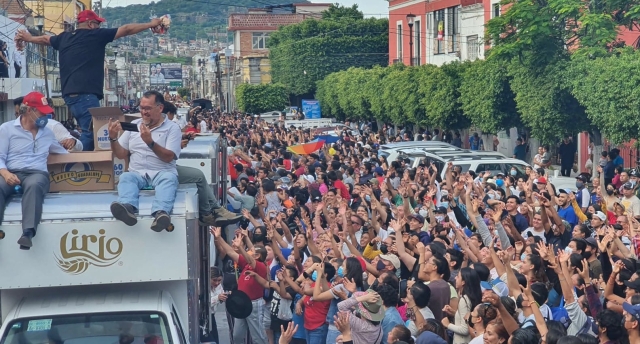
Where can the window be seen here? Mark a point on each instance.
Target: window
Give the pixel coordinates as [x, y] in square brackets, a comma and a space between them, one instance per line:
[417, 42]
[453, 28]
[399, 41]
[178, 325]
[260, 40]
[473, 48]
[438, 32]
[496, 10]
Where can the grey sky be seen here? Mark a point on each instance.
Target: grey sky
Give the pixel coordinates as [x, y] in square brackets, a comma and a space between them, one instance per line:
[371, 8]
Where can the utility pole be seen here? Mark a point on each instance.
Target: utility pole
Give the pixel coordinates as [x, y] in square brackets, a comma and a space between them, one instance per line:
[227, 57]
[39, 21]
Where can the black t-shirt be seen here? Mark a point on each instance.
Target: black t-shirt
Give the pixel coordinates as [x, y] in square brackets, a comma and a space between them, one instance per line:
[275, 307]
[81, 55]
[559, 242]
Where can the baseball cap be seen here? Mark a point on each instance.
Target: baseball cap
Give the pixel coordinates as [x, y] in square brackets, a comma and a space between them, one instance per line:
[627, 186]
[316, 196]
[601, 216]
[634, 173]
[379, 170]
[395, 261]
[581, 178]
[441, 210]
[634, 310]
[542, 180]
[564, 191]
[635, 285]
[39, 101]
[87, 15]
[491, 181]
[418, 217]
[591, 242]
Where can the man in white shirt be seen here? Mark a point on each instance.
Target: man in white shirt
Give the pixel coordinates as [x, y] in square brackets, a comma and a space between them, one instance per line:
[203, 125]
[153, 151]
[17, 61]
[170, 110]
[61, 133]
[24, 149]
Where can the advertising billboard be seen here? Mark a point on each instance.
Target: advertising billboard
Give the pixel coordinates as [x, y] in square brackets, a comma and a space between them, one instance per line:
[168, 74]
[311, 109]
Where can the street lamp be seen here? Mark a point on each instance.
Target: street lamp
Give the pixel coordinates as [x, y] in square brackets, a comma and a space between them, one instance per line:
[202, 64]
[115, 64]
[39, 21]
[410, 18]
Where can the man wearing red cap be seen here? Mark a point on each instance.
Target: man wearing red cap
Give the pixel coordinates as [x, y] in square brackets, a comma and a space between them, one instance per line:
[24, 148]
[82, 63]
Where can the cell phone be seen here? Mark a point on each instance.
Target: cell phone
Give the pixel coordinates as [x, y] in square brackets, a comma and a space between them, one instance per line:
[128, 126]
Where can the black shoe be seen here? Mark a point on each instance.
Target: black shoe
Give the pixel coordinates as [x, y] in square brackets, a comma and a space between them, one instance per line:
[124, 212]
[25, 242]
[161, 222]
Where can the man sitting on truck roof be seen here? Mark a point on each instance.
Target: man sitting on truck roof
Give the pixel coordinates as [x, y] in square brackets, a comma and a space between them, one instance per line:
[24, 148]
[154, 150]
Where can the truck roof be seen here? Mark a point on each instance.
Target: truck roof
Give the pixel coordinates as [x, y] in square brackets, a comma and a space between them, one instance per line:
[80, 303]
[94, 205]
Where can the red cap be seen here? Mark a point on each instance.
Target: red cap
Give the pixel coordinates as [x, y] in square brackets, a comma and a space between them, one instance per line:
[542, 180]
[38, 101]
[87, 15]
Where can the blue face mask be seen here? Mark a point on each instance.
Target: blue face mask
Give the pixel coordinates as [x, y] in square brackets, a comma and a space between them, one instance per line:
[367, 198]
[314, 276]
[514, 173]
[41, 122]
[523, 257]
[340, 272]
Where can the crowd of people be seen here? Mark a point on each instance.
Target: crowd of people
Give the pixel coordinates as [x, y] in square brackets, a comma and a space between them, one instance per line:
[342, 246]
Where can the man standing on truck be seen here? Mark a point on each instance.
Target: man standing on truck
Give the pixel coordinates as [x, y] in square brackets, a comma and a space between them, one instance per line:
[82, 63]
[153, 151]
[247, 261]
[24, 148]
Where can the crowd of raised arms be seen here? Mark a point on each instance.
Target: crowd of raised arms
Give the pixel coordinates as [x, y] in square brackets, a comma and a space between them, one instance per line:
[343, 246]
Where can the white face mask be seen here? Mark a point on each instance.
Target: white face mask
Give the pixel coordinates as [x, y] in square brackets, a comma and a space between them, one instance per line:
[568, 250]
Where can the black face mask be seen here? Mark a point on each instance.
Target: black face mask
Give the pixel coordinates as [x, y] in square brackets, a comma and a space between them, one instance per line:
[380, 266]
[354, 196]
[384, 249]
[610, 192]
[258, 237]
[374, 285]
[280, 231]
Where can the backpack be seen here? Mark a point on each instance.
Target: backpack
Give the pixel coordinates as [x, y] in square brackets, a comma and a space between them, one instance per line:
[560, 314]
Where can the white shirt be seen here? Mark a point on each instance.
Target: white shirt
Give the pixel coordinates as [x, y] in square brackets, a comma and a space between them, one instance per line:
[61, 133]
[181, 122]
[203, 126]
[20, 151]
[143, 160]
[17, 57]
[426, 314]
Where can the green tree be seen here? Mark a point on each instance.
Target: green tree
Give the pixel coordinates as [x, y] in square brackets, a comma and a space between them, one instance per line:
[339, 12]
[399, 92]
[328, 96]
[261, 98]
[486, 97]
[304, 53]
[439, 92]
[183, 92]
[609, 91]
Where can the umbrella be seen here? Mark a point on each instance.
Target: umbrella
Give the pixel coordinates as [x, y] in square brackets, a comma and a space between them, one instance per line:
[306, 148]
[327, 138]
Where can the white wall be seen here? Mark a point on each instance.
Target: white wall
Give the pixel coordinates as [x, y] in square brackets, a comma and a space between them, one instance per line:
[471, 23]
[439, 59]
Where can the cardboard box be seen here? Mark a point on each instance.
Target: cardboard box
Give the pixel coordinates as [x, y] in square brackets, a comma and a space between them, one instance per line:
[81, 171]
[101, 118]
[130, 117]
[120, 166]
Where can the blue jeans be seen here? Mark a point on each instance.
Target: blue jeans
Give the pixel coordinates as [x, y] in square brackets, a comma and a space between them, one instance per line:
[332, 335]
[165, 184]
[79, 106]
[318, 336]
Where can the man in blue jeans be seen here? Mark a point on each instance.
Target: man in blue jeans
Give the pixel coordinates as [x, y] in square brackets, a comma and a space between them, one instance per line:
[153, 151]
[81, 55]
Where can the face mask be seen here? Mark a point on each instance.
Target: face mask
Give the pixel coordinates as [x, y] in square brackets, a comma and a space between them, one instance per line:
[568, 250]
[523, 257]
[439, 218]
[367, 198]
[609, 192]
[340, 272]
[633, 182]
[491, 195]
[41, 122]
[314, 276]
[258, 237]
[470, 321]
[380, 266]
[579, 184]
[280, 231]
[384, 249]
[514, 173]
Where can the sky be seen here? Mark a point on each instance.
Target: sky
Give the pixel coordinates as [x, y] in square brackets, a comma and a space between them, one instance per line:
[371, 8]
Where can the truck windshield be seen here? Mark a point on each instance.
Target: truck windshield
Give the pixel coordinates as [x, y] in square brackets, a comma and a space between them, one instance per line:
[106, 328]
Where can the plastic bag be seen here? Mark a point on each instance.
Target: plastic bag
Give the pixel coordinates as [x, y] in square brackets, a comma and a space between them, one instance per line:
[164, 27]
[284, 312]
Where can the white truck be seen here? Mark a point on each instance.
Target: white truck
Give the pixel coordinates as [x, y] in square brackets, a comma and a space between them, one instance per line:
[90, 279]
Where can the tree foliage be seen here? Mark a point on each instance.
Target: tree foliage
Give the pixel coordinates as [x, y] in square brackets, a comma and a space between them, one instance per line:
[261, 98]
[304, 53]
[608, 88]
[439, 90]
[486, 97]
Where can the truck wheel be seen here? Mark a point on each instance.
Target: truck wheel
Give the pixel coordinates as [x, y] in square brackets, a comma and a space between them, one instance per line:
[1, 234]
[170, 228]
